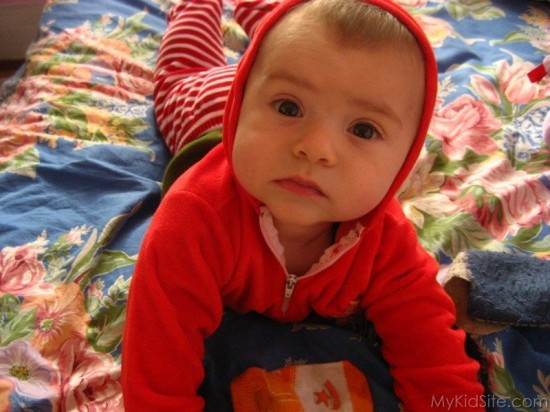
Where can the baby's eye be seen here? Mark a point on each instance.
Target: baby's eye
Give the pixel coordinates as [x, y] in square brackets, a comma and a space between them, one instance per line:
[364, 131]
[288, 108]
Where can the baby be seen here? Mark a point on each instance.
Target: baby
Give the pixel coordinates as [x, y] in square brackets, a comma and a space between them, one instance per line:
[294, 213]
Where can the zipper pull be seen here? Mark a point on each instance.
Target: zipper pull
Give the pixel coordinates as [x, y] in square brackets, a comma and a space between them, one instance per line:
[289, 289]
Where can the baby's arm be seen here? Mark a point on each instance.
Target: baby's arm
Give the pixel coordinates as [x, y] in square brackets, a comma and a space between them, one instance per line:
[415, 319]
[174, 303]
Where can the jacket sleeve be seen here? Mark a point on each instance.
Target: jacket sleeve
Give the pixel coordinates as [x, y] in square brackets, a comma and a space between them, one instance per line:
[174, 303]
[415, 320]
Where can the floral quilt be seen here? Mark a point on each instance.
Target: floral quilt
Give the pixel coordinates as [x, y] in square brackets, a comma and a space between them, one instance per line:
[81, 160]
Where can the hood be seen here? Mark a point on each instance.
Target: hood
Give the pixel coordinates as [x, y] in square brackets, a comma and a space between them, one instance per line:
[234, 102]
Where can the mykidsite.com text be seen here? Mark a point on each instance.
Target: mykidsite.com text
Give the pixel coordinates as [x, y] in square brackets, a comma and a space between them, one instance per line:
[488, 401]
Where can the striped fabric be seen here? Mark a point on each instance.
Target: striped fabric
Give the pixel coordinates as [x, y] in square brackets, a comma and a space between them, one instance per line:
[192, 78]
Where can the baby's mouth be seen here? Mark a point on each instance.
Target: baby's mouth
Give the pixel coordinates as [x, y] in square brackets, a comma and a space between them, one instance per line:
[300, 186]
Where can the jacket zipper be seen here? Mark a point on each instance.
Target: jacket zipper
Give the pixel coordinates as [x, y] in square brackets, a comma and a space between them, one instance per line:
[274, 244]
[289, 290]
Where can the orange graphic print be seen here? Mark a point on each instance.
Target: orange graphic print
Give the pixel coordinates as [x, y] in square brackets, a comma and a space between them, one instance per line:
[328, 396]
[337, 386]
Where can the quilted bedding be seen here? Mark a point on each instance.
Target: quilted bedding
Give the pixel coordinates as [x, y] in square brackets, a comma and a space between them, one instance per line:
[81, 160]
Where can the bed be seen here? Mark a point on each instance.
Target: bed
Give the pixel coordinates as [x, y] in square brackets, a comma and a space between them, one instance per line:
[81, 162]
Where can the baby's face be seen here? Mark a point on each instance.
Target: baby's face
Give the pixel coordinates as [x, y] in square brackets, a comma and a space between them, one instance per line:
[324, 129]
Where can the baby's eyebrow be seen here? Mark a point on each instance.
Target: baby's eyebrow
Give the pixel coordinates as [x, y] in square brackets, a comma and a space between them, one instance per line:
[378, 106]
[287, 76]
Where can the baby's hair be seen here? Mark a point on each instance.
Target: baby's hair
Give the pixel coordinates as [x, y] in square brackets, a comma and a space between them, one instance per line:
[354, 22]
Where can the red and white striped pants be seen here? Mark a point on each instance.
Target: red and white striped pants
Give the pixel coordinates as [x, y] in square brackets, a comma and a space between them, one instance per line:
[192, 78]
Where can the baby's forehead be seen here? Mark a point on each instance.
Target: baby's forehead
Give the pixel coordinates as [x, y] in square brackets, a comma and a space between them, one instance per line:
[298, 29]
[350, 22]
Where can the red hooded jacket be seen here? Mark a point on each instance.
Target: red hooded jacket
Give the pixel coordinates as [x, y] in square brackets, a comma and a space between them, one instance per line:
[211, 245]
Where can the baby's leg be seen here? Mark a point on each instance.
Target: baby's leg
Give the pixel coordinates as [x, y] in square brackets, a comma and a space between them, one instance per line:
[192, 78]
[193, 38]
[248, 13]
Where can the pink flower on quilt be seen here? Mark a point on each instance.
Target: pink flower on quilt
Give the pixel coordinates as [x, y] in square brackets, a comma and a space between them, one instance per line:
[133, 79]
[31, 374]
[96, 289]
[60, 315]
[502, 199]
[486, 89]
[18, 130]
[90, 380]
[514, 83]
[74, 236]
[133, 76]
[420, 194]
[20, 269]
[20, 125]
[437, 30]
[465, 123]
